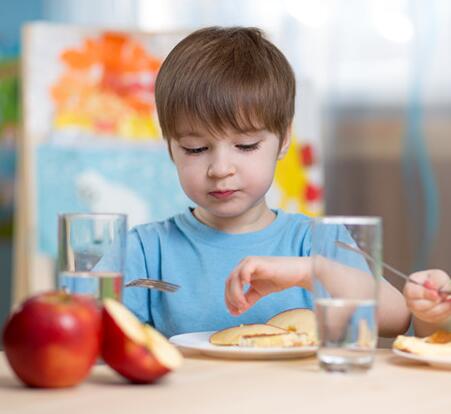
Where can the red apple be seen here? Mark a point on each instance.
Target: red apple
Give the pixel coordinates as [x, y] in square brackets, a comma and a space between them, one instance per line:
[136, 351]
[53, 339]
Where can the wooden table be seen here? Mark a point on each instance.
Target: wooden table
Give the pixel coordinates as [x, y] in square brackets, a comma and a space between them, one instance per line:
[204, 385]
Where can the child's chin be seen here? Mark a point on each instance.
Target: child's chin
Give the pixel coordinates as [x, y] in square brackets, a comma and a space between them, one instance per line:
[226, 211]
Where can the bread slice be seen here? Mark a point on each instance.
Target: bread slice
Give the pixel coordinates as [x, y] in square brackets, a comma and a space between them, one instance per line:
[301, 321]
[232, 336]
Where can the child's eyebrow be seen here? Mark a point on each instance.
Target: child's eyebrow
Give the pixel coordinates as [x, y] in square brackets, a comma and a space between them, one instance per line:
[251, 131]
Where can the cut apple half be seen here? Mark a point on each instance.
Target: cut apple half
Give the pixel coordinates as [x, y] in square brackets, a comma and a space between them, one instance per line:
[168, 355]
[301, 321]
[135, 350]
[233, 336]
[126, 321]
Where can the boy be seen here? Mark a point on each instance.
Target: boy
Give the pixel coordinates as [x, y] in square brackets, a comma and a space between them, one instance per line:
[225, 102]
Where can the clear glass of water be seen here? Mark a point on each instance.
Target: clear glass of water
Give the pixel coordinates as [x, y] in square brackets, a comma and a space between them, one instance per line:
[91, 254]
[345, 290]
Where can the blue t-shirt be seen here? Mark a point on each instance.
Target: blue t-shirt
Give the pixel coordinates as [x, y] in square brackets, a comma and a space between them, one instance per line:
[184, 251]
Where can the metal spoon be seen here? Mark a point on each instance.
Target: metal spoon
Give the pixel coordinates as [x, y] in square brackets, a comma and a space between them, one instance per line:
[397, 272]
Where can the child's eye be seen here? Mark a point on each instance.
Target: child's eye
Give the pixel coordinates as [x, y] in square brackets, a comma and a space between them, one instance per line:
[248, 147]
[197, 150]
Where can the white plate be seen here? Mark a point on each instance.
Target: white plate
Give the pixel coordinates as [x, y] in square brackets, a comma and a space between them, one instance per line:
[198, 341]
[443, 362]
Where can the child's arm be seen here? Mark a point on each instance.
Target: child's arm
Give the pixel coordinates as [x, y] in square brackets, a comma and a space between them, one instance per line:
[344, 281]
[266, 275]
[431, 310]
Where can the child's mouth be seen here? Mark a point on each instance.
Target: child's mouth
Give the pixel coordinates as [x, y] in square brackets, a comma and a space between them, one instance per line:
[221, 195]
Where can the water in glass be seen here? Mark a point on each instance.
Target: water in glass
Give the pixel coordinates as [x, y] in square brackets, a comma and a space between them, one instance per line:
[101, 285]
[348, 332]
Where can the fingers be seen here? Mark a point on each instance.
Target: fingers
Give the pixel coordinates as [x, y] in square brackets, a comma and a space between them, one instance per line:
[426, 302]
[419, 277]
[236, 300]
[234, 297]
[422, 305]
[430, 311]
[438, 277]
[415, 292]
[432, 279]
[440, 311]
[252, 296]
[434, 314]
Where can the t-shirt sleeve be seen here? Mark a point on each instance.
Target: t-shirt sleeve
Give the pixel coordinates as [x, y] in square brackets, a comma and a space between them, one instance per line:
[137, 299]
[326, 246]
[345, 256]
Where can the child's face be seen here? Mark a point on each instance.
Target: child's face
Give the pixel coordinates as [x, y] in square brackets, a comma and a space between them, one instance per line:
[229, 175]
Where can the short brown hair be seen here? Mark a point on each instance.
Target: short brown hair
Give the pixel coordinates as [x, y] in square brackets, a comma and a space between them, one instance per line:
[225, 78]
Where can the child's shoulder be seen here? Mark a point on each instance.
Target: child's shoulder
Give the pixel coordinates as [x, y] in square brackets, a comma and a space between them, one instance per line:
[294, 225]
[156, 226]
[156, 229]
[295, 218]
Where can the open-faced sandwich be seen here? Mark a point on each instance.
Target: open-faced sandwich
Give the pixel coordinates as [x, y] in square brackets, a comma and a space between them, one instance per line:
[294, 327]
[438, 344]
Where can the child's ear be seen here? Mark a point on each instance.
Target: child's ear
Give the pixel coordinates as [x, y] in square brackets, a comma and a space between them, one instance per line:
[168, 142]
[285, 144]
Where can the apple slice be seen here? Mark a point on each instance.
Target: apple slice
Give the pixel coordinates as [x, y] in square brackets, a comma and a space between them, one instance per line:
[300, 320]
[439, 337]
[232, 336]
[136, 351]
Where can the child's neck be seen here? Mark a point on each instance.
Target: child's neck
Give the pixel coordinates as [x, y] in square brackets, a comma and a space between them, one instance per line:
[255, 219]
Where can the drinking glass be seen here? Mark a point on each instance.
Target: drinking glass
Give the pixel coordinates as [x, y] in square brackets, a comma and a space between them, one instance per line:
[91, 254]
[345, 290]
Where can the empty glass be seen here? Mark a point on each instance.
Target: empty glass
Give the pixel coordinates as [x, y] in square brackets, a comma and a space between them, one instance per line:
[91, 254]
[345, 290]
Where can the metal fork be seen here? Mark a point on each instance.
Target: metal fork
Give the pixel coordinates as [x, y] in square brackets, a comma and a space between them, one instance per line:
[397, 272]
[153, 284]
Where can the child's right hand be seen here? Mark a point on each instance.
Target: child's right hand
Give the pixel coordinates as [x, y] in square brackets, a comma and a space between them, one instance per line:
[264, 275]
[425, 302]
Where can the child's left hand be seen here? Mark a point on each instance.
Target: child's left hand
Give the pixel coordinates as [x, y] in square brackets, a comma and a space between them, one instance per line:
[264, 275]
[425, 302]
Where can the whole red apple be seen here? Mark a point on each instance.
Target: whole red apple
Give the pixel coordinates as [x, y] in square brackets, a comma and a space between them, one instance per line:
[136, 351]
[53, 339]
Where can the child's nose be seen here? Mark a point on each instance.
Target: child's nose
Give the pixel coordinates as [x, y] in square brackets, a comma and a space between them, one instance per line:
[221, 166]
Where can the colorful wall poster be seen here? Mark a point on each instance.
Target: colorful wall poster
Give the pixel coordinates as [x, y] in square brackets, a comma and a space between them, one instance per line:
[92, 120]
[106, 87]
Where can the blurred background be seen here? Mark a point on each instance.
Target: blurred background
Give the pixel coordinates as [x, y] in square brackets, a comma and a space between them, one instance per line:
[373, 115]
